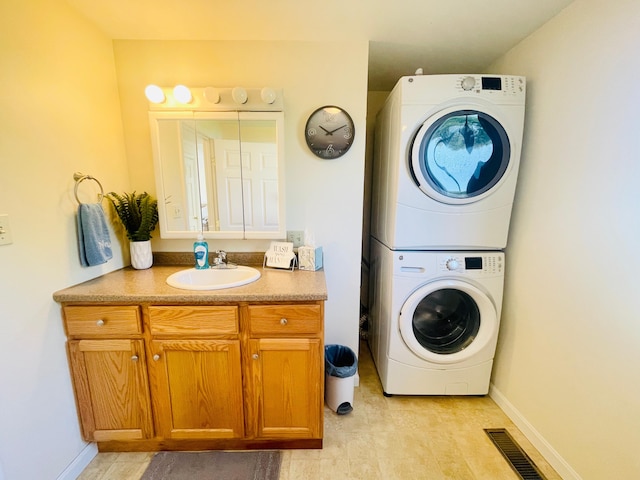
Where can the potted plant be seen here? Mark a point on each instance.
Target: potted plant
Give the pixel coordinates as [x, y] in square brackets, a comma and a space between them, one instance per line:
[138, 214]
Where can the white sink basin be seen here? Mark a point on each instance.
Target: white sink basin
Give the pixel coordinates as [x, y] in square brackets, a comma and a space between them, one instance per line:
[213, 278]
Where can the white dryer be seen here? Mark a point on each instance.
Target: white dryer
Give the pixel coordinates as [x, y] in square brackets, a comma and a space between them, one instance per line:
[446, 159]
[434, 319]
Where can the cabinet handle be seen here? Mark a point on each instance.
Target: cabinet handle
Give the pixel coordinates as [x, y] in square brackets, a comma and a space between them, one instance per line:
[255, 356]
[134, 358]
[156, 357]
[283, 321]
[100, 323]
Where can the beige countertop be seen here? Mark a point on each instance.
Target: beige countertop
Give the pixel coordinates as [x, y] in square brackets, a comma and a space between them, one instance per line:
[136, 286]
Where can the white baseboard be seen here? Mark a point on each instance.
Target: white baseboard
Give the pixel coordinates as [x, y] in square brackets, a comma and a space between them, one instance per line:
[79, 463]
[538, 441]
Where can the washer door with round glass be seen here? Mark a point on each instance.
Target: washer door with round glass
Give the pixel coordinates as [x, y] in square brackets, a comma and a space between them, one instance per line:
[459, 156]
[448, 321]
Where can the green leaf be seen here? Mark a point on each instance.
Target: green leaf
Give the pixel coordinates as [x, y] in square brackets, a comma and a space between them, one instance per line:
[137, 213]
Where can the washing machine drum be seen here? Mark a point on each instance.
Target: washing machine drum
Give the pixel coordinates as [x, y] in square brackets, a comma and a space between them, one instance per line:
[460, 156]
[448, 322]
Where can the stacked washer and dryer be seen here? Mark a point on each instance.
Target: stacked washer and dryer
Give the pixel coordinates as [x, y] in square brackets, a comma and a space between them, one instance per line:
[445, 169]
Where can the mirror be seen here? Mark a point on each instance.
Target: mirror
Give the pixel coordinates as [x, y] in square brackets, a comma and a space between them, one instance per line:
[220, 173]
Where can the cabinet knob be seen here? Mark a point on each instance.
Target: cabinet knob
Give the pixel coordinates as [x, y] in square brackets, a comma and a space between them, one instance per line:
[156, 357]
[283, 321]
[100, 323]
[134, 358]
[255, 356]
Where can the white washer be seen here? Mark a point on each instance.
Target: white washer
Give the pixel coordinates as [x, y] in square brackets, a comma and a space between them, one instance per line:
[434, 319]
[446, 162]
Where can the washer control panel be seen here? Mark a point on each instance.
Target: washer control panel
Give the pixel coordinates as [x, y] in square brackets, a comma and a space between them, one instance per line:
[486, 263]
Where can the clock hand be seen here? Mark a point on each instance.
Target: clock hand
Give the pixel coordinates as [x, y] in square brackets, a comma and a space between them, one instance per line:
[336, 129]
[327, 131]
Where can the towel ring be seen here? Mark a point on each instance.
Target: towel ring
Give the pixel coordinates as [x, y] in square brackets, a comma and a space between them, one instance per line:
[79, 178]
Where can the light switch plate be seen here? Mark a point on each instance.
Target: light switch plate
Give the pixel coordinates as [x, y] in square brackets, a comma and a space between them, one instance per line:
[5, 230]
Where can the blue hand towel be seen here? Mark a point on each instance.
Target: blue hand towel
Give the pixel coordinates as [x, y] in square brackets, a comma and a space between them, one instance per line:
[94, 242]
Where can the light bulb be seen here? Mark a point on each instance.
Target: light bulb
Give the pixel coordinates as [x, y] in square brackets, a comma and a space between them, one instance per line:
[239, 95]
[154, 94]
[182, 94]
[212, 95]
[268, 95]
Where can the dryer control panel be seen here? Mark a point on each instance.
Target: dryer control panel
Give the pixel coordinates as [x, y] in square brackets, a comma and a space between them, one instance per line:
[492, 85]
[482, 263]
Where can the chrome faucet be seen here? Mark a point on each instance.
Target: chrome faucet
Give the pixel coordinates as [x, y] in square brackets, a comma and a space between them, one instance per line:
[220, 261]
[221, 258]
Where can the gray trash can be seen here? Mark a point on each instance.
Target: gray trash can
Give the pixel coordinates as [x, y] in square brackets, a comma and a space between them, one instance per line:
[340, 366]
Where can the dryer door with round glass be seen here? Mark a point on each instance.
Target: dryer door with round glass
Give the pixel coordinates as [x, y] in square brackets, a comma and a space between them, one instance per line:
[448, 321]
[459, 156]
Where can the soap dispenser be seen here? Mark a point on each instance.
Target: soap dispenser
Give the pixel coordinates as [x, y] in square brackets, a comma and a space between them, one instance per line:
[201, 252]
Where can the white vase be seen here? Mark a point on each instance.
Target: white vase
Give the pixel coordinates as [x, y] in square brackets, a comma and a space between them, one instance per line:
[141, 255]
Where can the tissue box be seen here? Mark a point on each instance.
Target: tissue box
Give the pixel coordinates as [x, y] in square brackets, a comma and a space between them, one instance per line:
[310, 258]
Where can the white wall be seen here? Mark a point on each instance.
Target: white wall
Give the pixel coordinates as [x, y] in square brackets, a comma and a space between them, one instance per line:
[323, 196]
[59, 114]
[568, 363]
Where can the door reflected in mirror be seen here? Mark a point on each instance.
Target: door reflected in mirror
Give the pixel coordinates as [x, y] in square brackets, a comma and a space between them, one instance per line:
[221, 173]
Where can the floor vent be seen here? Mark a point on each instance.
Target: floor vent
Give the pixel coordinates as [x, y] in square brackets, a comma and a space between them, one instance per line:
[511, 451]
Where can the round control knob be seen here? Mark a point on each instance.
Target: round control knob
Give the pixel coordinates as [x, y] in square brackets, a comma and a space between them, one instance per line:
[468, 83]
[452, 264]
[283, 321]
[156, 357]
[100, 323]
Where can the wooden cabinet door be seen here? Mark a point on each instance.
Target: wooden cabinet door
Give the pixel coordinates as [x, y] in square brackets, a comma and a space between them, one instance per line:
[197, 388]
[287, 387]
[110, 378]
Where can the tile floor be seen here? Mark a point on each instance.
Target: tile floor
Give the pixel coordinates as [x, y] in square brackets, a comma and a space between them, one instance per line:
[431, 438]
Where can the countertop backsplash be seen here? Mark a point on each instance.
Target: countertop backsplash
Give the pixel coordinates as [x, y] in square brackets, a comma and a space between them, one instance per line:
[250, 259]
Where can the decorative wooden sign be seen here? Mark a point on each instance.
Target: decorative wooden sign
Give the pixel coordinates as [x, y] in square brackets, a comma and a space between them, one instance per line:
[280, 255]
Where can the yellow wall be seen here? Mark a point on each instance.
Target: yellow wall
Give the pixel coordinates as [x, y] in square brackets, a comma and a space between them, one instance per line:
[566, 370]
[71, 100]
[325, 197]
[59, 113]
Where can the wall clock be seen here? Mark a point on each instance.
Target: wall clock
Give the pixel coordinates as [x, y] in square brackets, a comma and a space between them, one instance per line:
[329, 132]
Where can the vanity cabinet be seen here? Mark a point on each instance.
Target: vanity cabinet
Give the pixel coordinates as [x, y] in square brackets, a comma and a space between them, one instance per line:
[285, 350]
[196, 372]
[234, 375]
[107, 362]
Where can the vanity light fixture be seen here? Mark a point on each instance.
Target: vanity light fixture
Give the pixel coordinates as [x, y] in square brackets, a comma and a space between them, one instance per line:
[182, 94]
[182, 97]
[154, 94]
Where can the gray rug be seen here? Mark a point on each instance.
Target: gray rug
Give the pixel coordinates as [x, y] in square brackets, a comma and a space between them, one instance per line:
[214, 465]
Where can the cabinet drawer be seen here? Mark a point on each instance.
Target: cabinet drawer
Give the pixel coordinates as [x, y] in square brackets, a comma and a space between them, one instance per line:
[102, 320]
[193, 321]
[285, 320]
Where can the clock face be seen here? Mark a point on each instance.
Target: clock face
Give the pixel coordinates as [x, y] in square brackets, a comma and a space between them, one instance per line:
[329, 132]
